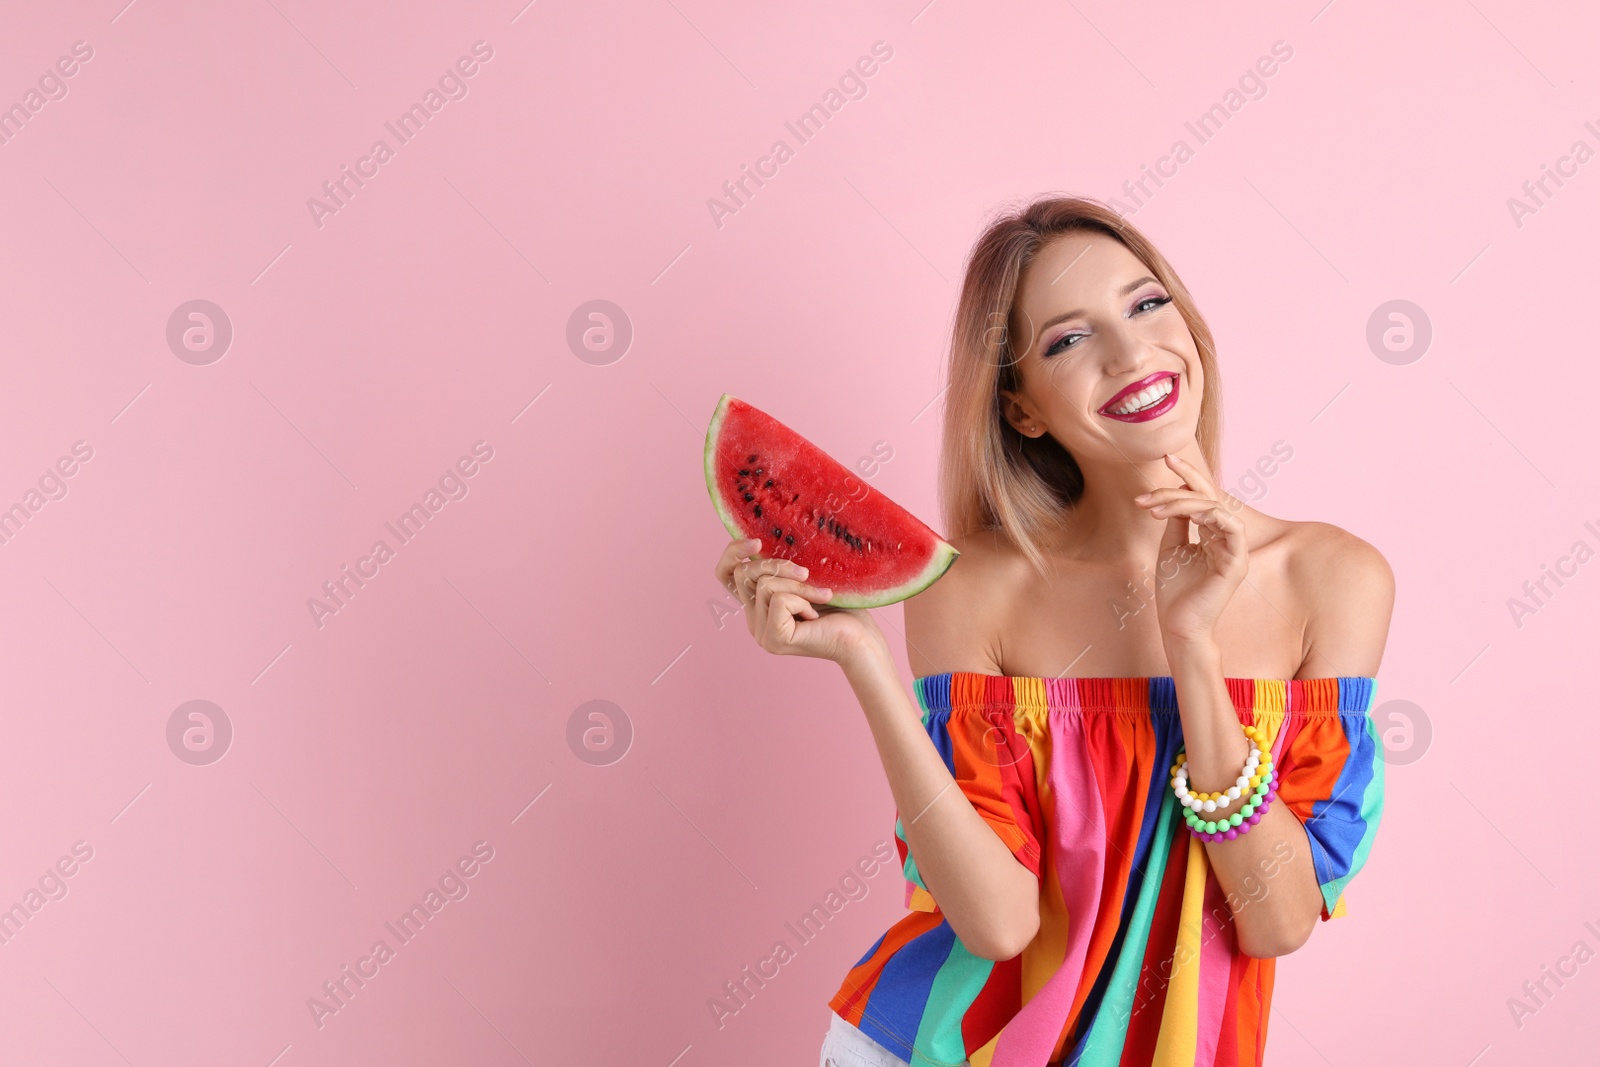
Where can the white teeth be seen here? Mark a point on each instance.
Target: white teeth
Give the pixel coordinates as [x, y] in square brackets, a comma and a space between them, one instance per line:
[1145, 397]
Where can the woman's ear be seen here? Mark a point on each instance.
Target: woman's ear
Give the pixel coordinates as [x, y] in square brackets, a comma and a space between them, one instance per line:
[1015, 413]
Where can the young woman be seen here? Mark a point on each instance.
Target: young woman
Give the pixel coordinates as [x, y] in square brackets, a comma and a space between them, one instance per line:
[1127, 848]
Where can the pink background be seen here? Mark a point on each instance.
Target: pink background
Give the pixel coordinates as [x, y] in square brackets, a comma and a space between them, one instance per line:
[372, 351]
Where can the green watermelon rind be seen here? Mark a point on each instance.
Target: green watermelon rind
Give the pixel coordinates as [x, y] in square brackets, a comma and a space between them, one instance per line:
[712, 432]
[944, 553]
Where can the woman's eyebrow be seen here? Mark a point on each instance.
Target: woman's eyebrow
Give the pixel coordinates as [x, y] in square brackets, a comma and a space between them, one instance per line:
[1124, 291]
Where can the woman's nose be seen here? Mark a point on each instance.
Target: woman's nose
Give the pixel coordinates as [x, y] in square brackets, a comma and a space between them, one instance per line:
[1124, 351]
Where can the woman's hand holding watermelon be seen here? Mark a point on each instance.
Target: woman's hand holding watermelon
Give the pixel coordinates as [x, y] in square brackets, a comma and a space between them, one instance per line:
[780, 608]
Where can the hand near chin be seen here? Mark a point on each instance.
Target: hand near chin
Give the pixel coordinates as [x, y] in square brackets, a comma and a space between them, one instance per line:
[1194, 582]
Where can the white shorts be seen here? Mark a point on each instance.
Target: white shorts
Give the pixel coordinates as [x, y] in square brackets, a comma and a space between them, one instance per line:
[847, 1046]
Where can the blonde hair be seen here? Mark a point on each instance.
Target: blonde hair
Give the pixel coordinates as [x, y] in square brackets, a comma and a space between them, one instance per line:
[990, 476]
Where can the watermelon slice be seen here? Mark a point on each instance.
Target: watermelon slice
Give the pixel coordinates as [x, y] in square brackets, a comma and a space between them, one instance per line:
[769, 482]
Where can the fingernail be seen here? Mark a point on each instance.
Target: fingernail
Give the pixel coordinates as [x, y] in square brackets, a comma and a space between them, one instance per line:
[805, 572]
[1142, 496]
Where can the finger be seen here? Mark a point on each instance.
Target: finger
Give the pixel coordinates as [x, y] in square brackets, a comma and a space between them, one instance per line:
[1202, 510]
[794, 605]
[755, 607]
[1218, 523]
[1156, 497]
[763, 595]
[1162, 495]
[754, 568]
[1196, 474]
[778, 630]
[1186, 505]
[747, 574]
[777, 622]
[734, 553]
[748, 577]
[779, 603]
[1176, 535]
[1222, 533]
[776, 584]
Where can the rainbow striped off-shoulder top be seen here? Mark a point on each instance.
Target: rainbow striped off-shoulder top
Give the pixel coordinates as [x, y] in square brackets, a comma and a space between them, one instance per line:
[1135, 961]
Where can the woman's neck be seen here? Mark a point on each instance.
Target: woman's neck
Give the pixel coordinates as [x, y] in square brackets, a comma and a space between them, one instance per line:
[1106, 526]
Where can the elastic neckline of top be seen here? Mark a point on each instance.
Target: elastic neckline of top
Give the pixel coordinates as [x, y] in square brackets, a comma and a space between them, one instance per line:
[955, 690]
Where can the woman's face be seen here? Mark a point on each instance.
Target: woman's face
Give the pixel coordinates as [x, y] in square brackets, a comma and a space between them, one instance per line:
[1090, 320]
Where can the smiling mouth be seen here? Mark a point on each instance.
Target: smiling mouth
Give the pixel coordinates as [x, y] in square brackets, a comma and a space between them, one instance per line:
[1137, 404]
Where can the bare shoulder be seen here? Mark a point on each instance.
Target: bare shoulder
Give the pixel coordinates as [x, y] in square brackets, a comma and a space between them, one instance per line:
[952, 624]
[1316, 549]
[1346, 590]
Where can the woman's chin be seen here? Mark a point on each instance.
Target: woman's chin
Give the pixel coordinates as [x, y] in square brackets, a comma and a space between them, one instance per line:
[1149, 441]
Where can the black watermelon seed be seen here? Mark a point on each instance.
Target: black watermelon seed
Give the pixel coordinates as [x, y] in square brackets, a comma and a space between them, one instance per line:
[758, 511]
[794, 498]
[744, 471]
[767, 484]
[752, 459]
[789, 540]
[749, 496]
[820, 521]
[777, 532]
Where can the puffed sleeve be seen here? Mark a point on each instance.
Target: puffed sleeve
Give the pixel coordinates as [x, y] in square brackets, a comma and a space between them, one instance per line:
[992, 765]
[1330, 775]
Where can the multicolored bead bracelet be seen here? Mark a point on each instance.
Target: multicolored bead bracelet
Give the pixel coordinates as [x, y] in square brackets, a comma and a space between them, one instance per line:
[1239, 822]
[1258, 777]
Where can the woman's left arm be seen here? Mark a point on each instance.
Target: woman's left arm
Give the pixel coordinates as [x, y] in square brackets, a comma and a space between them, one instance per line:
[1350, 595]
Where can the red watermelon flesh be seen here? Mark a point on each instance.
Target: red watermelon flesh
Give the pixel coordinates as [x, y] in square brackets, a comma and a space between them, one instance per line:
[769, 482]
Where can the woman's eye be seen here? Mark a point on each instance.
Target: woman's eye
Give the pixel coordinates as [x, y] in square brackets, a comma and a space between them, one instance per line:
[1060, 343]
[1149, 303]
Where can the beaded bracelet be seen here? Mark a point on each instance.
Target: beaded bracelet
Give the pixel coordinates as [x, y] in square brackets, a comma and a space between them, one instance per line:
[1210, 802]
[1239, 822]
[1228, 827]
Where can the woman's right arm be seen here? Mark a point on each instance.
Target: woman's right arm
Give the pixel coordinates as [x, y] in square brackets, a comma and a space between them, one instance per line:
[986, 894]
[989, 898]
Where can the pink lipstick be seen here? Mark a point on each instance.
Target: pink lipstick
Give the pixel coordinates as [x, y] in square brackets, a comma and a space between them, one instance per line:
[1157, 405]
